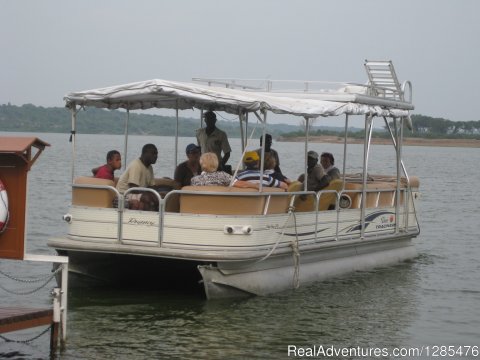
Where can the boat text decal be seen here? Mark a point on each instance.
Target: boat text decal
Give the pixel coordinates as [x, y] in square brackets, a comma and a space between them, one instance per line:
[135, 221]
[304, 233]
[381, 219]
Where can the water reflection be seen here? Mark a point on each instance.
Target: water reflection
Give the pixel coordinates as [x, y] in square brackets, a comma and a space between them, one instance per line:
[349, 311]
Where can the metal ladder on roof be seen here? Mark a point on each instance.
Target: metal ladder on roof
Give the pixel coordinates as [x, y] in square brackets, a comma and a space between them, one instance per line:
[383, 81]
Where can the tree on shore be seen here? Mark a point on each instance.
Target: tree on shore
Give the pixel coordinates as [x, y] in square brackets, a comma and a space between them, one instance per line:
[33, 118]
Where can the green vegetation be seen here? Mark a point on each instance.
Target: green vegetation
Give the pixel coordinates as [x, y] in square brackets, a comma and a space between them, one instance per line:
[31, 118]
[423, 127]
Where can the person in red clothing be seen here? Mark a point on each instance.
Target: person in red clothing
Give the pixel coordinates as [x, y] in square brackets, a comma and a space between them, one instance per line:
[114, 162]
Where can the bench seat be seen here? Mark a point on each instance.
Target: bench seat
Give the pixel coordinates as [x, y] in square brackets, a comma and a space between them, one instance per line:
[231, 204]
[92, 197]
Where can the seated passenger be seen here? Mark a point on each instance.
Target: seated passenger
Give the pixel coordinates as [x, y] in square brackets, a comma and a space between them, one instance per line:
[114, 162]
[252, 173]
[316, 179]
[139, 173]
[270, 166]
[327, 160]
[270, 151]
[211, 176]
[186, 170]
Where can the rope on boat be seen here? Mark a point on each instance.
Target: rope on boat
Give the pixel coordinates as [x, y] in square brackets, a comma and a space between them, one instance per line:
[295, 248]
[240, 162]
[296, 256]
[290, 212]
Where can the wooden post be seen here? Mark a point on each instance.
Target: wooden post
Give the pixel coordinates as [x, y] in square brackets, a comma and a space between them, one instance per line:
[16, 159]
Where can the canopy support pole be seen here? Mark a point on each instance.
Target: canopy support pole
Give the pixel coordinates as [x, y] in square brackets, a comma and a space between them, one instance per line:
[176, 138]
[307, 130]
[125, 145]
[345, 151]
[262, 155]
[397, 193]
[246, 129]
[395, 146]
[366, 150]
[258, 117]
[74, 112]
[242, 134]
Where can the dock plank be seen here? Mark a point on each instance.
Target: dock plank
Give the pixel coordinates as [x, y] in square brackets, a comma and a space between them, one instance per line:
[19, 318]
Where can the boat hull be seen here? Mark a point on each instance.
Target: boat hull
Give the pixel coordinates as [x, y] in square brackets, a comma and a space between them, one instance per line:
[311, 268]
[224, 279]
[90, 269]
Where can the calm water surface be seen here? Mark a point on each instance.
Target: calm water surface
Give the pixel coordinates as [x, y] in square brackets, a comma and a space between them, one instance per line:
[432, 300]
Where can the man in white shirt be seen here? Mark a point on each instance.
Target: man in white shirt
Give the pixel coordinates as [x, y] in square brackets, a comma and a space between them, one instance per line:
[139, 174]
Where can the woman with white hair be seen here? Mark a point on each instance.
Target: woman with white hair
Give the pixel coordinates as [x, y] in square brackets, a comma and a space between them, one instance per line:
[211, 176]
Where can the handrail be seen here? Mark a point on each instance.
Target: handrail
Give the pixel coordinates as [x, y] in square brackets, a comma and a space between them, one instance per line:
[317, 198]
[306, 86]
[337, 208]
[408, 84]
[93, 186]
[160, 213]
[119, 198]
[61, 296]
[407, 191]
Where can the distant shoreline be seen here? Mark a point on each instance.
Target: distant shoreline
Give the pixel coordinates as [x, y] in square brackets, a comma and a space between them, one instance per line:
[473, 143]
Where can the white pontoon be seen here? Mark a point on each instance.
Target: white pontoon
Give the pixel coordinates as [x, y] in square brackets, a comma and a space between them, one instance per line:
[244, 241]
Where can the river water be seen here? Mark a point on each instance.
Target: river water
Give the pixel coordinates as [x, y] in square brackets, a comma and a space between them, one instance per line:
[431, 301]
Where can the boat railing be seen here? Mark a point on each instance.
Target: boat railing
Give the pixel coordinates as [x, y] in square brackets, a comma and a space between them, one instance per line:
[382, 198]
[270, 85]
[375, 89]
[375, 198]
[121, 207]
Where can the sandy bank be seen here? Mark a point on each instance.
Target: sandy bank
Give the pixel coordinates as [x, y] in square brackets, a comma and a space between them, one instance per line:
[407, 141]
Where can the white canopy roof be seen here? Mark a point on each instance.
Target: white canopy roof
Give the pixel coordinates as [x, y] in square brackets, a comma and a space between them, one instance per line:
[168, 94]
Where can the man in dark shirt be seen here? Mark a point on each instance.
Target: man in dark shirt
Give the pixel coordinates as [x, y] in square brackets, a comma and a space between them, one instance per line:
[316, 179]
[270, 151]
[189, 168]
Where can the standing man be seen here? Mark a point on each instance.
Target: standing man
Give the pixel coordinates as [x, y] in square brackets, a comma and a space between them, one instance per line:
[212, 139]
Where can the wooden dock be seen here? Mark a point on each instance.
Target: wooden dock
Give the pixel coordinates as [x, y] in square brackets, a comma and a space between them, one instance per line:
[17, 318]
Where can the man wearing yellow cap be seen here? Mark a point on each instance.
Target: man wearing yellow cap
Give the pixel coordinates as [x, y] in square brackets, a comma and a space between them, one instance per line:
[252, 172]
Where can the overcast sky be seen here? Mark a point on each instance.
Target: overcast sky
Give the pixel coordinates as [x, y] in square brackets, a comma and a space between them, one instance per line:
[51, 47]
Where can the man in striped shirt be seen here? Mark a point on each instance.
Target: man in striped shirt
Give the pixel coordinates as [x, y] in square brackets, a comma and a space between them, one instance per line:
[252, 172]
